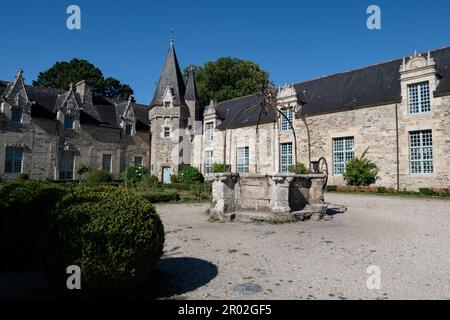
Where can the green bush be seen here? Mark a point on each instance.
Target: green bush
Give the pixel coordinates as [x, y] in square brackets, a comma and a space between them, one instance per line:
[381, 190]
[24, 207]
[98, 177]
[331, 188]
[149, 182]
[158, 197]
[298, 168]
[426, 191]
[134, 175]
[219, 168]
[113, 235]
[23, 176]
[361, 171]
[83, 169]
[173, 178]
[189, 174]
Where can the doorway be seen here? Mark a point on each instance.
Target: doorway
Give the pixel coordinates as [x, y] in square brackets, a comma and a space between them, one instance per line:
[166, 173]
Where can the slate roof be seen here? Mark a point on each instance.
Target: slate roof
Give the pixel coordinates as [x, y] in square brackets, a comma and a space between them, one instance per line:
[170, 76]
[228, 112]
[191, 87]
[374, 85]
[105, 112]
[370, 86]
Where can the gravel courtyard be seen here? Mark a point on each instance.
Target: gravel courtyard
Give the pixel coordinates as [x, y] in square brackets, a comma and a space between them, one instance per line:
[408, 238]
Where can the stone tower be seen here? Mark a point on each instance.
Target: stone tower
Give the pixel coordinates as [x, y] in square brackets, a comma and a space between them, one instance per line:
[172, 114]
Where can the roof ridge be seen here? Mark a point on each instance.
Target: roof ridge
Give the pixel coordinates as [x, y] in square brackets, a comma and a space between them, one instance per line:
[237, 98]
[362, 68]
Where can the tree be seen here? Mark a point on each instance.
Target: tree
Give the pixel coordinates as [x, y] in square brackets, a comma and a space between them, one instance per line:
[63, 73]
[361, 171]
[227, 78]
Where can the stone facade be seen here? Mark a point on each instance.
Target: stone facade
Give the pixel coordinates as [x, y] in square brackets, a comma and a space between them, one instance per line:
[369, 106]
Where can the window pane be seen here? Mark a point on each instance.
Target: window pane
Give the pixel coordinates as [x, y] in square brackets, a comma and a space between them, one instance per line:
[419, 98]
[66, 165]
[208, 161]
[286, 156]
[343, 151]
[421, 151]
[68, 122]
[209, 131]
[284, 123]
[13, 160]
[106, 162]
[128, 129]
[16, 116]
[137, 161]
[243, 160]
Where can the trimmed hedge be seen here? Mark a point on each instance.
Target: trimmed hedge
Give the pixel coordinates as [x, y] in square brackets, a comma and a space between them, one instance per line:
[157, 197]
[113, 235]
[98, 177]
[24, 208]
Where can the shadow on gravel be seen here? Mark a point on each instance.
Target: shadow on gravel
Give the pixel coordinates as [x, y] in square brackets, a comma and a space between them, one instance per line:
[335, 209]
[176, 276]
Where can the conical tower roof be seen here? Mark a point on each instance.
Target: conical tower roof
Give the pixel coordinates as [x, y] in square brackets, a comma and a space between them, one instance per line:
[191, 87]
[171, 77]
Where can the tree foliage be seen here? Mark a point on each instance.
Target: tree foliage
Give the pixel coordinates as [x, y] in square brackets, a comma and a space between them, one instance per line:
[227, 78]
[361, 171]
[63, 73]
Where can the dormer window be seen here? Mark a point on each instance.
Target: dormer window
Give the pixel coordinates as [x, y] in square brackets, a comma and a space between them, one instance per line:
[69, 122]
[128, 129]
[209, 131]
[16, 116]
[285, 125]
[166, 132]
[166, 104]
[419, 98]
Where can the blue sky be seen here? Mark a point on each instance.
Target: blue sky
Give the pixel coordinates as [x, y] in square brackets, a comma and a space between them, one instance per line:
[293, 40]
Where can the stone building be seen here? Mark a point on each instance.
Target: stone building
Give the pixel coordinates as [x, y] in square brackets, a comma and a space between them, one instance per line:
[49, 133]
[397, 110]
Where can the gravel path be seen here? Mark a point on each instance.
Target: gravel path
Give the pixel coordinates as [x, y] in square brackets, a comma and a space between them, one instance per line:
[408, 238]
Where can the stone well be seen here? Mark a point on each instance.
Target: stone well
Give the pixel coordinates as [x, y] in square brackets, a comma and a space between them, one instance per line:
[280, 196]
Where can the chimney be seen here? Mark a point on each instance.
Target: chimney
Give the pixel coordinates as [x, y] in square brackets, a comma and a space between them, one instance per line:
[85, 92]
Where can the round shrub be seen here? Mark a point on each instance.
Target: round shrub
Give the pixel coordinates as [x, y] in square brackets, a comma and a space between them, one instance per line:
[24, 207]
[113, 235]
[98, 177]
[189, 174]
[23, 176]
[134, 174]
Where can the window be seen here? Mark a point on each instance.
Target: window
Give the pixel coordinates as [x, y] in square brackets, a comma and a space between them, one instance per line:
[166, 132]
[208, 161]
[284, 123]
[419, 98]
[243, 160]
[166, 104]
[106, 162]
[68, 122]
[286, 156]
[128, 129]
[421, 151]
[66, 165]
[137, 161]
[209, 131]
[16, 116]
[13, 163]
[343, 151]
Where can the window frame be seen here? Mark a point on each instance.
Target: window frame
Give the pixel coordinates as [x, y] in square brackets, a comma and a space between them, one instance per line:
[136, 164]
[421, 152]
[209, 131]
[284, 165]
[423, 97]
[11, 168]
[72, 124]
[130, 127]
[166, 130]
[208, 161]
[345, 151]
[284, 123]
[110, 162]
[243, 161]
[14, 112]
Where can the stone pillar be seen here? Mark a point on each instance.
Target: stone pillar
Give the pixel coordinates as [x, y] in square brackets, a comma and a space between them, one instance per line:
[223, 192]
[316, 191]
[280, 192]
